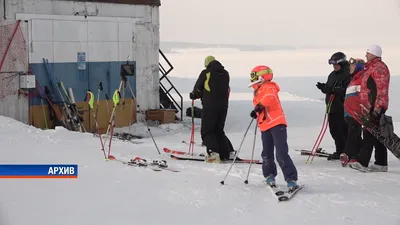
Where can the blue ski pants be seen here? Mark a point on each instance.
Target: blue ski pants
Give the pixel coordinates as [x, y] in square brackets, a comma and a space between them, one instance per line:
[276, 137]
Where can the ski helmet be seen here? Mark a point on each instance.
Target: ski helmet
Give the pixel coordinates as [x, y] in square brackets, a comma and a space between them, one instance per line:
[338, 58]
[261, 71]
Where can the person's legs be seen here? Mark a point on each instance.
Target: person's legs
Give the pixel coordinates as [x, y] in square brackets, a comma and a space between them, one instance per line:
[222, 140]
[381, 154]
[279, 136]
[368, 143]
[268, 157]
[336, 127]
[353, 140]
[381, 158]
[208, 121]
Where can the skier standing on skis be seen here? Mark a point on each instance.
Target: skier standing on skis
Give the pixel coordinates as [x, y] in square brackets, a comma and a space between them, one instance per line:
[336, 85]
[354, 139]
[271, 121]
[374, 95]
[212, 87]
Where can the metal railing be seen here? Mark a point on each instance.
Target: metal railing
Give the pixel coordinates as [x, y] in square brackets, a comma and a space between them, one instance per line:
[164, 72]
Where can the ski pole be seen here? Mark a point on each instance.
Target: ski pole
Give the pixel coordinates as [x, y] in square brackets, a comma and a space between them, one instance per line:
[90, 97]
[148, 128]
[252, 154]
[322, 132]
[44, 113]
[191, 144]
[317, 141]
[116, 100]
[99, 89]
[237, 153]
[328, 109]
[324, 126]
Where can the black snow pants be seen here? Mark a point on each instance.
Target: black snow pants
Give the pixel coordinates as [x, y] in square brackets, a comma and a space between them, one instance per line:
[212, 131]
[368, 144]
[354, 139]
[338, 130]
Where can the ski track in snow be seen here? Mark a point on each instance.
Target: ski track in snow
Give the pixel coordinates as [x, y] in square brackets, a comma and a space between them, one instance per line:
[112, 193]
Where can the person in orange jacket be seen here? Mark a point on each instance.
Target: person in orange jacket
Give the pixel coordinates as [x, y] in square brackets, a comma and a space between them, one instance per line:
[272, 123]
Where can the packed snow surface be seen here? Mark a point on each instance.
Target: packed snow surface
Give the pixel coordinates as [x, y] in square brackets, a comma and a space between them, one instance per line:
[109, 192]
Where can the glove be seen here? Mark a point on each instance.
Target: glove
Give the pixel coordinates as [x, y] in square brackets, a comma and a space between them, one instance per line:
[192, 96]
[376, 114]
[320, 86]
[253, 114]
[259, 108]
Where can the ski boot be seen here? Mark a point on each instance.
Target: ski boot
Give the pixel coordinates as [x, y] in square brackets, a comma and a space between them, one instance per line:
[271, 181]
[139, 161]
[358, 166]
[344, 159]
[333, 156]
[292, 186]
[212, 157]
[160, 163]
[377, 168]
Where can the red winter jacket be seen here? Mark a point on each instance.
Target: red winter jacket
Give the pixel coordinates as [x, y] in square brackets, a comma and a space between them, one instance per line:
[376, 76]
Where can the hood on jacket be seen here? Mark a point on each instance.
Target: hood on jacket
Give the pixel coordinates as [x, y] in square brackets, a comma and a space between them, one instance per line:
[215, 66]
[267, 84]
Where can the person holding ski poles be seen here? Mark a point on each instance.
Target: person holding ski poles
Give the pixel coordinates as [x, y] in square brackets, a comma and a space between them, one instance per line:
[336, 85]
[271, 121]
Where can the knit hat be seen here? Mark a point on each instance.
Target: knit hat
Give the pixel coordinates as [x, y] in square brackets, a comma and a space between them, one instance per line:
[375, 50]
[208, 59]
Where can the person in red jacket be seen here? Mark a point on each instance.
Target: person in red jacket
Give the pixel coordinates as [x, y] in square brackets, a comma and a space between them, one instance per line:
[354, 138]
[272, 123]
[374, 97]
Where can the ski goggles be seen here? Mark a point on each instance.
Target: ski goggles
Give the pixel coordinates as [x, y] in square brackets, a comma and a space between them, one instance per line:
[334, 62]
[353, 61]
[254, 75]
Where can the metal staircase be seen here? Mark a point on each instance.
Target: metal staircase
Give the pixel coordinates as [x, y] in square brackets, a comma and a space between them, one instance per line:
[167, 101]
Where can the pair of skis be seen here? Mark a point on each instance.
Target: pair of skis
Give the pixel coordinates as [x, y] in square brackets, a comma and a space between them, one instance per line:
[181, 155]
[284, 195]
[324, 127]
[320, 152]
[70, 116]
[154, 165]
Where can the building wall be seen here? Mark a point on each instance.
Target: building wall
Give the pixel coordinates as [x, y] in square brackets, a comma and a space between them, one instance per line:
[12, 103]
[105, 33]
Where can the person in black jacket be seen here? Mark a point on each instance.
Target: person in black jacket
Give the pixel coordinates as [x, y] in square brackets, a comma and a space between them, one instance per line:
[212, 87]
[336, 85]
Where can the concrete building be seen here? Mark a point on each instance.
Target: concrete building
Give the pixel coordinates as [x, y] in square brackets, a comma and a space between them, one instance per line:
[84, 44]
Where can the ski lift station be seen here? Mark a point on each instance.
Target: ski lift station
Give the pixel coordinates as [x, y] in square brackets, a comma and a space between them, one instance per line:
[52, 52]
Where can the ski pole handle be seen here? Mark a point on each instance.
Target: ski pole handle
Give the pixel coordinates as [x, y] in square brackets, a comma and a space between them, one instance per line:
[101, 86]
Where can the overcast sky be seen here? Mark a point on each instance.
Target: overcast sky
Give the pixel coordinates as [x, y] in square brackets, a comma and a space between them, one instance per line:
[294, 22]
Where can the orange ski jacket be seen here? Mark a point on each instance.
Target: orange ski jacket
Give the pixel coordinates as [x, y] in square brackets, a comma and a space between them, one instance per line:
[267, 95]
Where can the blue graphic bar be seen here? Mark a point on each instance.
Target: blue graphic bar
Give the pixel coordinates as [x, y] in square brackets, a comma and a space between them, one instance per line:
[38, 171]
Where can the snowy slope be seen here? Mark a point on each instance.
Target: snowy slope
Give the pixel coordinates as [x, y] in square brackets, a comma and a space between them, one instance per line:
[111, 193]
